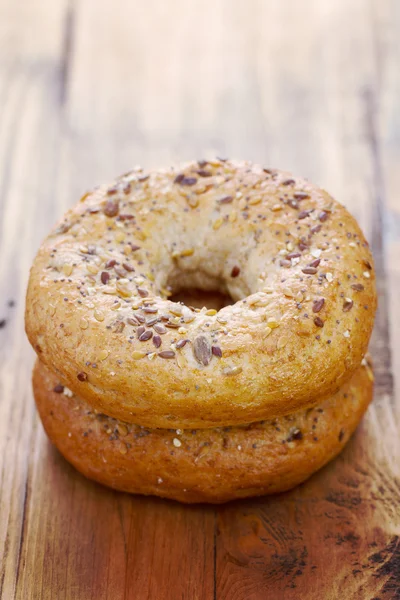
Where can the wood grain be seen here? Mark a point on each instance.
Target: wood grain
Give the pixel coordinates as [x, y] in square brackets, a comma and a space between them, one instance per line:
[89, 88]
[341, 530]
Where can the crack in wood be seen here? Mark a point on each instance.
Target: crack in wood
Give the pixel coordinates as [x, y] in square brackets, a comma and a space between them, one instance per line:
[67, 51]
[380, 342]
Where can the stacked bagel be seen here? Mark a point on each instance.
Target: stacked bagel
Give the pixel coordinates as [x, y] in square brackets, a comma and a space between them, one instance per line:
[150, 395]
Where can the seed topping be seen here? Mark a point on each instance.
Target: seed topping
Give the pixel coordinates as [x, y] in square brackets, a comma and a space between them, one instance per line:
[111, 208]
[202, 350]
[318, 322]
[318, 304]
[166, 354]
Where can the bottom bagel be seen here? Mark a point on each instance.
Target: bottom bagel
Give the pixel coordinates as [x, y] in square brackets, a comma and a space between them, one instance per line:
[203, 465]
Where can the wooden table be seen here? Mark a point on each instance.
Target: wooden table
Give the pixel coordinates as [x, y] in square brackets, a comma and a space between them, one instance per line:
[89, 88]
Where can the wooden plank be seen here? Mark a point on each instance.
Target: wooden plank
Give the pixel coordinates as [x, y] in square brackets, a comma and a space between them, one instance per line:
[79, 540]
[387, 126]
[84, 541]
[29, 122]
[338, 535]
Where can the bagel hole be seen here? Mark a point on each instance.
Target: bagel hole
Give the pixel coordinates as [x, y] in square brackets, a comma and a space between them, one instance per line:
[199, 298]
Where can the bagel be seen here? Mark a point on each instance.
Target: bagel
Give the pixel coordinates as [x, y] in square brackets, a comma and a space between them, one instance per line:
[203, 465]
[293, 260]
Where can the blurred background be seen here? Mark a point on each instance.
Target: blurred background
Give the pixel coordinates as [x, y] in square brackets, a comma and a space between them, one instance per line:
[89, 88]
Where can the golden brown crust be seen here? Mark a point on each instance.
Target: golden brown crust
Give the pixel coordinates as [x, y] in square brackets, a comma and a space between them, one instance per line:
[201, 465]
[294, 259]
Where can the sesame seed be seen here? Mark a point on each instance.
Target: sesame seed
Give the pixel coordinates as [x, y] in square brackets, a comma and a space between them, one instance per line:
[316, 252]
[177, 443]
[122, 429]
[103, 354]
[346, 333]
[193, 201]
[120, 236]
[272, 323]
[282, 342]
[187, 252]
[231, 371]
[136, 355]
[67, 269]
[329, 277]
[288, 292]
[98, 315]
[123, 289]
[217, 223]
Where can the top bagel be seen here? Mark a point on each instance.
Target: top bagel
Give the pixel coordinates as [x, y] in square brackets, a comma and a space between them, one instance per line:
[294, 261]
